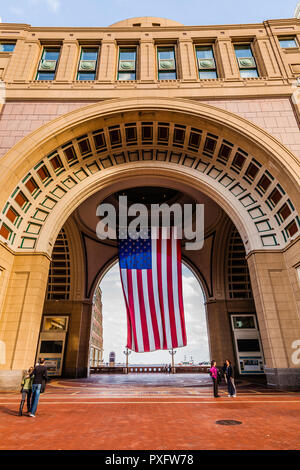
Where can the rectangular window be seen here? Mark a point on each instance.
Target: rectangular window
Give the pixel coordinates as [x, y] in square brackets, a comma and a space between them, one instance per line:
[166, 63]
[55, 324]
[127, 63]
[243, 322]
[88, 64]
[7, 46]
[48, 63]
[287, 43]
[206, 62]
[246, 60]
[248, 345]
[51, 347]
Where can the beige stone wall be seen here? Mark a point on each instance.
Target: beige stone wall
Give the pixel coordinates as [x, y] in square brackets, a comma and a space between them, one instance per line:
[21, 312]
[275, 115]
[276, 306]
[19, 119]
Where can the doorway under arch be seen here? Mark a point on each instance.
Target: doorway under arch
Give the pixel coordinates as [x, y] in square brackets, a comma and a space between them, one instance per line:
[115, 322]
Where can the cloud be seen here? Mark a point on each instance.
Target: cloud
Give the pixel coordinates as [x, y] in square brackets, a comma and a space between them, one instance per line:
[115, 322]
[16, 10]
[53, 5]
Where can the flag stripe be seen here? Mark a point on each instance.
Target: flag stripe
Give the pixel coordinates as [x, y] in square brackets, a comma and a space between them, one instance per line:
[140, 300]
[180, 293]
[131, 307]
[154, 286]
[129, 323]
[170, 293]
[147, 310]
[176, 281]
[160, 290]
[157, 329]
[165, 299]
[139, 328]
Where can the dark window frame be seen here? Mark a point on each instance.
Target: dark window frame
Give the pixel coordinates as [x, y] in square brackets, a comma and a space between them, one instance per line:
[159, 47]
[241, 69]
[121, 49]
[44, 73]
[215, 69]
[94, 72]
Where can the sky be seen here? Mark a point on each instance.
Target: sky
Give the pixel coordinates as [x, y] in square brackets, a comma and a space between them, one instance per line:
[103, 12]
[115, 326]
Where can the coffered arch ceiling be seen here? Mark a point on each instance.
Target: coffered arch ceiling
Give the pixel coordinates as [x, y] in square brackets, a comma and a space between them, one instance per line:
[253, 177]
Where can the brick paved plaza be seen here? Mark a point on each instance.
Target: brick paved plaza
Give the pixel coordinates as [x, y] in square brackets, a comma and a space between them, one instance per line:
[148, 411]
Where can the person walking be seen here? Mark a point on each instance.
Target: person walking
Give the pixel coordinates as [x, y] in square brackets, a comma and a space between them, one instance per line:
[214, 375]
[39, 380]
[229, 375]
[26, 390]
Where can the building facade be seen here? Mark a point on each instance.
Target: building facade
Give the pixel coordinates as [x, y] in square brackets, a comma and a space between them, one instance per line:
[96, 340]
[206, 114]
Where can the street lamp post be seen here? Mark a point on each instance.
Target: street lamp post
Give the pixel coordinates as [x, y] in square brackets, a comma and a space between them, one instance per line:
[172, 352]
[101, 356]
[127, 353]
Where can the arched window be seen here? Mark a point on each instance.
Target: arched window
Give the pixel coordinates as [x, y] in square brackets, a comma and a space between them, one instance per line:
[59, 272]
[239, 286]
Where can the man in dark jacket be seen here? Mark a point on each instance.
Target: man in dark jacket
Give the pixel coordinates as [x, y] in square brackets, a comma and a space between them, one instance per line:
[40, 375]
[229, 374]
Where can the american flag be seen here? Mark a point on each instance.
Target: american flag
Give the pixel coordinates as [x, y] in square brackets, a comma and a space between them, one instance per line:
[151, 277]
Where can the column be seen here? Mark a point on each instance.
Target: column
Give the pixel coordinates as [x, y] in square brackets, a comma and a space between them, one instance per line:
[219, 332]
[68, 61]
[278, 315]
[226, 58]
[24, 61]
[265, 57]
[188, 70]
[146, 60]
[78, 339]
[107, 69]
[21, 315]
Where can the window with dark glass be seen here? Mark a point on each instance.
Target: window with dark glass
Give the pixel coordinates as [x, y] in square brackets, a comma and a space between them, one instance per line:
[246, 60]
[51, 347]
[7, 46]
[48, 63]
[88, 63]
[166, 63]
[248, 345]
[127, 63]
[287, 43]
[243, 322]
[206, 62]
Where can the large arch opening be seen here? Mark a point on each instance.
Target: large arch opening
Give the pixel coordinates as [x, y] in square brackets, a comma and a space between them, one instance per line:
[115, 326]
[202, 151]
[220, 268]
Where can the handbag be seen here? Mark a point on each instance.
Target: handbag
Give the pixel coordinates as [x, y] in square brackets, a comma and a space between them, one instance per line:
[43, 386]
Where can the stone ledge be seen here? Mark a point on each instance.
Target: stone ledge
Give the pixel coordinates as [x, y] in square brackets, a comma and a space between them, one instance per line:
[283, 379]
[10, 380]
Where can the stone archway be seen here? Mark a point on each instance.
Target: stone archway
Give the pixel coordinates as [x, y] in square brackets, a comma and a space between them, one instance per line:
[114, 319]
[253, 177]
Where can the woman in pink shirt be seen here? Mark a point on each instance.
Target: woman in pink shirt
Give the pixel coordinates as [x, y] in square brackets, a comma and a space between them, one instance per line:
[214, 375]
